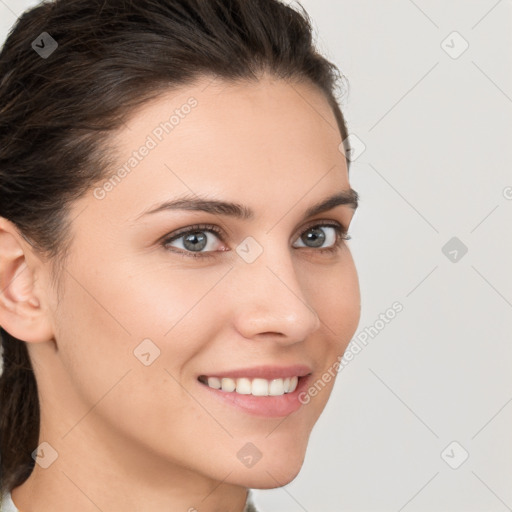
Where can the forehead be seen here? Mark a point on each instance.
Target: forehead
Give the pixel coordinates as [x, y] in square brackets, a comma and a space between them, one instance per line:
[269, 139]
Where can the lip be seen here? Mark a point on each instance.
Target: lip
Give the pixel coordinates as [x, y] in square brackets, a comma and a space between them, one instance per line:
[263, 406]
[263, 372]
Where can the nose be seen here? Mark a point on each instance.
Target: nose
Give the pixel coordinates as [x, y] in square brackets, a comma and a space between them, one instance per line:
[270, 301]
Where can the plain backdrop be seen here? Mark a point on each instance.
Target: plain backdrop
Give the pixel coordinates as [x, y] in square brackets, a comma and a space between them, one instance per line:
[421, 418]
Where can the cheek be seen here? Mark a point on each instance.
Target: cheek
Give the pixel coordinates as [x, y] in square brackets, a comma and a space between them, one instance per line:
[347, 301]
[98, 332]
[161, 299]
[107, 324]
[335, 295]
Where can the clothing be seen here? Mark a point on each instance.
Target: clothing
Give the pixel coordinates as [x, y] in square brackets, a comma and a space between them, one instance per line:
[249, 505]
[7, 505]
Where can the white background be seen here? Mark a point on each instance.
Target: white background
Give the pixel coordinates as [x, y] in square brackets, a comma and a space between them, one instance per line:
[437, 164]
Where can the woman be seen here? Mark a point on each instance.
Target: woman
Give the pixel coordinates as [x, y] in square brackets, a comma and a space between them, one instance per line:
[176, 285]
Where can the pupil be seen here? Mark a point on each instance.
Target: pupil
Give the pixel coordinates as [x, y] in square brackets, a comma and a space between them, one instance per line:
[317, 236]
[195, 241]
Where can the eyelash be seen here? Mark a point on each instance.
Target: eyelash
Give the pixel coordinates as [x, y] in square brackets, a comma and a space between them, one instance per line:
[341, 236]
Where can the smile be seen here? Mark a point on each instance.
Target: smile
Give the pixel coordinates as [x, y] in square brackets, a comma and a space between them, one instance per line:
[255, 387]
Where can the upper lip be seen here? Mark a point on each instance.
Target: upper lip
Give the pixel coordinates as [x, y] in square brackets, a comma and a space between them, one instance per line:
[264, 372]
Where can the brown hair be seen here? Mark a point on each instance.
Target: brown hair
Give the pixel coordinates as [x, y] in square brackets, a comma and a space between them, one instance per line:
[56, 110]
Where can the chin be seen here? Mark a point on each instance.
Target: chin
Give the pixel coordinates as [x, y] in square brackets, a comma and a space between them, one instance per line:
[271, 473]
[277, 478]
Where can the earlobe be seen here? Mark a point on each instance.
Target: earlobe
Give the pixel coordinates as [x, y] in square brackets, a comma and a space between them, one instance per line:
[21, 312]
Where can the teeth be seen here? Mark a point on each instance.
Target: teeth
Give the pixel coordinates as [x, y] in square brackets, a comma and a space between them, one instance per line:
[243, 386]
[276, 387]
[255, 387]
[259, 387]
[228, 385]
[213, 382]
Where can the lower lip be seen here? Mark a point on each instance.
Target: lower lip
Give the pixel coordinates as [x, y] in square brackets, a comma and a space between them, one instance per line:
[268, 406]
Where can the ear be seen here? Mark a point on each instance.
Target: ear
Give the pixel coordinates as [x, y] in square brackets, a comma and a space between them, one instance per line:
[22, 311]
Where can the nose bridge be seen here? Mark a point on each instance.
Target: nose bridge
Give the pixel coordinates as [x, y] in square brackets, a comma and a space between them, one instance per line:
[271, 299]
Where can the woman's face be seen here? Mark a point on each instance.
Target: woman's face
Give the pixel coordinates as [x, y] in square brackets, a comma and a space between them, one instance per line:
[150, 307]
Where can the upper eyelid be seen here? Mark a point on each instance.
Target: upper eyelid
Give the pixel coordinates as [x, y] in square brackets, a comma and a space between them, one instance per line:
[220, 232]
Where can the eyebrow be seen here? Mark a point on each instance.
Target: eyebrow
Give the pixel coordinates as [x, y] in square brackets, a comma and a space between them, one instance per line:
[347, 197]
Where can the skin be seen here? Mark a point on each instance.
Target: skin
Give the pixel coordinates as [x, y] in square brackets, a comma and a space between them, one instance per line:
[150, 438]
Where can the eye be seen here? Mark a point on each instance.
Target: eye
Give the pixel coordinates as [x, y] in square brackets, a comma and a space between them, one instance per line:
[196, 241]
[330, 234]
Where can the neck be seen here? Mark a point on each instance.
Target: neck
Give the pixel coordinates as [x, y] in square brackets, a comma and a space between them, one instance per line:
[99, 467]
[71, 492]
[91, 474]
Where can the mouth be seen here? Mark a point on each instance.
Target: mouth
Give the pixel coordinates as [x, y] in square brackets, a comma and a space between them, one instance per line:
[263, 391]
[254, 387]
